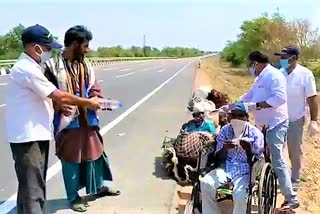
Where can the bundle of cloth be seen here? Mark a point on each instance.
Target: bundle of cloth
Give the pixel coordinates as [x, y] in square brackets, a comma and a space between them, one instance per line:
[218, 98]
[195, 137]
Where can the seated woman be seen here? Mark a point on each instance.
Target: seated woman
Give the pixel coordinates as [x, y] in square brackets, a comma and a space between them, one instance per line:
[218, 99]
[195, 137]
[199, 122]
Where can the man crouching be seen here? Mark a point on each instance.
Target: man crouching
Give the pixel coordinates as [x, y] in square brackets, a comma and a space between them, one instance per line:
[235, 142]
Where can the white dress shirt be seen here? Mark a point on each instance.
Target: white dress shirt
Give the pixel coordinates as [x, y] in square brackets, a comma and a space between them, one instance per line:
[300, 85]
[29, 111]
[269, 86]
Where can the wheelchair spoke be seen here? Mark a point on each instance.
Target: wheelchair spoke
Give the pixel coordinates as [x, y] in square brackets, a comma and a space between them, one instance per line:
[263, 189]
[271, 193]
[274, 191]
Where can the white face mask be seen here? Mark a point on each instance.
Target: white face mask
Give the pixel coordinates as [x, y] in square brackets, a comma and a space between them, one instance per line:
[238, 127]
[252, 71]
[44, 55]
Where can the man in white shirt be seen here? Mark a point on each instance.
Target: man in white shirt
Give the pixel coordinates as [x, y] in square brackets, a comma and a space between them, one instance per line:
[29, 116]
[301, 87]
[268, 100]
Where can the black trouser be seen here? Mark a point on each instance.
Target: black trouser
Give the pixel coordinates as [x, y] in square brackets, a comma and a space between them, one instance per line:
[31, 163]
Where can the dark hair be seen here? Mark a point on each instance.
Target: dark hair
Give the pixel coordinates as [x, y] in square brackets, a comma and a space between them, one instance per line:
[259, 57]
[78, 33]
[239, 114]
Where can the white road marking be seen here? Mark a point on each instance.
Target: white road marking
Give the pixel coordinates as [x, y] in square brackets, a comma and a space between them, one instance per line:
[126, 69]
[147, 69]
[161, 70]
[100, 81]
[109, 69]
[2, 105]
[3, 83]
[139, 103]
[124, 75]
[10, 203]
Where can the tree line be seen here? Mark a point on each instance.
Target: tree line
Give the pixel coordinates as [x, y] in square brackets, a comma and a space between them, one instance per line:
[135, 51]
[271, 33]
[11, 47]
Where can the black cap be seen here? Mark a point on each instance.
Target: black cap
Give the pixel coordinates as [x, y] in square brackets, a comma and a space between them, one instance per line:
[39, 35]
[290, 50]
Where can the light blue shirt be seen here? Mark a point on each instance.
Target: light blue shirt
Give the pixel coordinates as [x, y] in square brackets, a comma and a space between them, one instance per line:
[269, 86]
[206, 126]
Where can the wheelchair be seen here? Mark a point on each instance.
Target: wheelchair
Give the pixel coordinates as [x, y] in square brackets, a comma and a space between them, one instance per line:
[261, 192]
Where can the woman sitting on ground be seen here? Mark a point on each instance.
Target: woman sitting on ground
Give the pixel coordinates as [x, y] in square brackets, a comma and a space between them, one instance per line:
[199, 122]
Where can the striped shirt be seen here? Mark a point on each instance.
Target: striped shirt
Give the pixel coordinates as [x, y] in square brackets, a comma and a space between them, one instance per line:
[236, 164]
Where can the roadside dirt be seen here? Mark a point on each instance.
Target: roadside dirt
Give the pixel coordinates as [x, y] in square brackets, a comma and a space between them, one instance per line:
[235, 82]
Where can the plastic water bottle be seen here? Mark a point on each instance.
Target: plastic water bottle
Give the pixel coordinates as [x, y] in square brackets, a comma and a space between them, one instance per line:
[110, 104]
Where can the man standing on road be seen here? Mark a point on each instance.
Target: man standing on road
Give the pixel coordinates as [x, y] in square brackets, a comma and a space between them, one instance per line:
[29, 116]
[269, 98]
[301, 87]
[79, 144]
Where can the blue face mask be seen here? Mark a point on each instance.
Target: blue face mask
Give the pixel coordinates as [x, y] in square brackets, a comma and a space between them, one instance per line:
[252, 71]
[284, 63]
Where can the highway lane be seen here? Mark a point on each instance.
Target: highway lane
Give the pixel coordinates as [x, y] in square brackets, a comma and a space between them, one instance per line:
[6, 165]
[155, 120]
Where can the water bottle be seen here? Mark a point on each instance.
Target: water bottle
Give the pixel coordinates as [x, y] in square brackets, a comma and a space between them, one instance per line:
[110, 104]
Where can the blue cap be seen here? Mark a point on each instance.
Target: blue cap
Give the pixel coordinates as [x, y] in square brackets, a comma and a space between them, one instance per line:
[39, 35]
[240, 106]
[290, 50]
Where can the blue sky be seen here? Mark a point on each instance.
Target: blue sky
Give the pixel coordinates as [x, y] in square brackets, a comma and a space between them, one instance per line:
[203, 24]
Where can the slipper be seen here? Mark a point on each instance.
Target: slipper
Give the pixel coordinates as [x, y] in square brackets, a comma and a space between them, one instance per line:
[107, 192]
[78, 205]
[286, 206]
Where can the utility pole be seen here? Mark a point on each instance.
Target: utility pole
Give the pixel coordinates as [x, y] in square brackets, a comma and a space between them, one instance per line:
[144, 44]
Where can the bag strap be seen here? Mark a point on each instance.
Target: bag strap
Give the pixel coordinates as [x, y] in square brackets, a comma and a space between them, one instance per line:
[246, 131]
[82, 89]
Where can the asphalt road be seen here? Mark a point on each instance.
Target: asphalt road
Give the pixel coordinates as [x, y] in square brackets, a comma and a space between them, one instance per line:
[155, 95]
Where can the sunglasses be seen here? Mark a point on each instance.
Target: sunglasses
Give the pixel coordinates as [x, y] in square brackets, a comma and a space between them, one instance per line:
[198, 114]
[237, 114]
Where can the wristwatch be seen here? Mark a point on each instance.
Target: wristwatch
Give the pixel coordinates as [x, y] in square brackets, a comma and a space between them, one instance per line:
[258, 107]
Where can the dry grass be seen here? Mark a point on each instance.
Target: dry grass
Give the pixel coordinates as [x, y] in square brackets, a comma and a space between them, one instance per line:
[235, 82]
[232, 81]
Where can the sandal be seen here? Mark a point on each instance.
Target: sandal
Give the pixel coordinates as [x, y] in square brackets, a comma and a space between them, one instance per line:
[286, 206]
[106, 191]
[78, 205]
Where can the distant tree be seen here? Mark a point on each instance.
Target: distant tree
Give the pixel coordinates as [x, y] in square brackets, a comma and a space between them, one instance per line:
[270, 34]
[11, 44]
[11, 47]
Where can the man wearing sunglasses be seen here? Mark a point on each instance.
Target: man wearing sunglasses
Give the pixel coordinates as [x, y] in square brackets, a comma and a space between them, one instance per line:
[301, 89]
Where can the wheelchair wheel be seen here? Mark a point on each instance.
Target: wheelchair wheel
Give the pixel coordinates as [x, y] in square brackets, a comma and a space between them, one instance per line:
[196, 198]
[194, 204]
[267, 190]
[249, 203]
